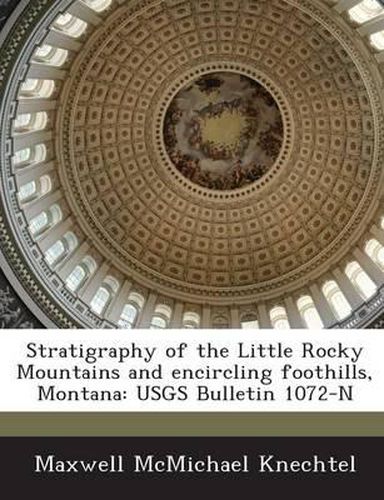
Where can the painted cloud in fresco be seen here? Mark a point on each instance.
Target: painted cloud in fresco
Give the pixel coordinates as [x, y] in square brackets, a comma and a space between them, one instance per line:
[224, 131]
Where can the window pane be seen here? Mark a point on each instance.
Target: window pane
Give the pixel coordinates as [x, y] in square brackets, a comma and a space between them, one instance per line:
[250, 325]
[40, 153]
[98, 5]
[191, 320]
[128, 316]
[53, 254]
[44, 50]
[336, 300]
[22, 156]
[51, 55]
[279, 318]
[362, 282]
[29, 85]
[76, 278]
[33, 88]
[64, 19]
[158, 323]
[366, 10]
[71, 25]
[27, 191]
[366, 285]
[100, 300]
[312, 318]
[309, 312]
[163, 310]
[341, 306]
[282, 324]
[375, 251]
[377, 40]
[22, 121]
[27, 122]
[38, 223]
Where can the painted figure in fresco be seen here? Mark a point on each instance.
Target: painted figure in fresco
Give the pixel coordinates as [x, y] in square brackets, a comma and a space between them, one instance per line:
[229, 138]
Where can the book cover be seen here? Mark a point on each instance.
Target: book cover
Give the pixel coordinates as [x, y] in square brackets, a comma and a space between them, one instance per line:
[191, 246]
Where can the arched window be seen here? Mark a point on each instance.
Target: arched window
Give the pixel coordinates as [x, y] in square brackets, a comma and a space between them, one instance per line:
[128, 316]
[104, 295]
[39, 153]
[191, 320]
[55, 253]
[27, 156]
[308, 312]
[39, 223]
[158, 323]
[70, 25]
[33, 190]
[22, 156]
[360, 279]
[45, 185]
[28, 192]
[137, 299]
[249, 322]
[131, 311]
[279, 318]
[101, 300]
[81, 273]
[366, 10]
[45, 220]
[61, 249]
[375, 251]
[23, 121]
[37, 89]
[161, 317]
[63, 20]
[76, 278]
[54, 56]
[336, 300]
[377, 40]
[220, 321]
[98, 5]
[29, 122]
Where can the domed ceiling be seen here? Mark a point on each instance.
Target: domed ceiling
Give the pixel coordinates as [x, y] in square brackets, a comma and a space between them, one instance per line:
[128, 188]
[221, 151]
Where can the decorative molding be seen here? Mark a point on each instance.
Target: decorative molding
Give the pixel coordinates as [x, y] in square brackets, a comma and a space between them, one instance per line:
[13, 312]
